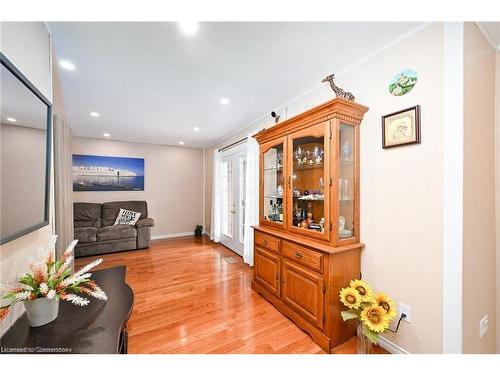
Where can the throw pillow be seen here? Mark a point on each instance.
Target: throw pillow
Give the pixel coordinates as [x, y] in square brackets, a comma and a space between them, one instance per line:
[127, 217]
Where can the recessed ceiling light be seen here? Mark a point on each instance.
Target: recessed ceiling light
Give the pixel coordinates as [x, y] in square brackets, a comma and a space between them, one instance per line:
[106, 135]
[224, 101]
[95, 114]
[189, 27]
[66, 65]
[181, 143]
[196, 129]
[11, 119]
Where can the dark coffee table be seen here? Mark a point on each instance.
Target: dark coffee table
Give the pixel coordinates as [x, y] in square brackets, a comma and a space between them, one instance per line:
[99, 327]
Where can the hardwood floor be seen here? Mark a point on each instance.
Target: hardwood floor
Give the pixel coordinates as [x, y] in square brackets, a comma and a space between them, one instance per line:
[188, 299]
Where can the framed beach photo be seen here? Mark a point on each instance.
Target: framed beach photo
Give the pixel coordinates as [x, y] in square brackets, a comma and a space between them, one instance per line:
[401, 128]
[107, 173]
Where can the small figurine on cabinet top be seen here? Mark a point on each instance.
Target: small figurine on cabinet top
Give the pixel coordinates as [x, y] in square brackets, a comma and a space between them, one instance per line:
[339, 93]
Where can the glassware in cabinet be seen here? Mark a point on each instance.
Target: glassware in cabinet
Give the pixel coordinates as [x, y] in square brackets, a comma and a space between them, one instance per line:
[309, 182]
[347, 181]
[273, 183]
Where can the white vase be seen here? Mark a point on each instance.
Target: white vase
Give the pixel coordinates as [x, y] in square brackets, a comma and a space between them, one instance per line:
[41, 311]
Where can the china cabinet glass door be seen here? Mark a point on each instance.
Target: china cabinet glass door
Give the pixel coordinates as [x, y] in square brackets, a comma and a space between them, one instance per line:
[346, 188]
[273, 178]
[308, 181]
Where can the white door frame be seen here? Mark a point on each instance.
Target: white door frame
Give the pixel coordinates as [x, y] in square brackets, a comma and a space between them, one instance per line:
[453, 188]
[236, 241]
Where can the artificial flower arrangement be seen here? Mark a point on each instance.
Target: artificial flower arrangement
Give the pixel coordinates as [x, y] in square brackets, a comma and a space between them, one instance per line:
[53, 280]
[373, 311]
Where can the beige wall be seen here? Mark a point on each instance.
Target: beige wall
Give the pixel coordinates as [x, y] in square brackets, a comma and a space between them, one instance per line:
[173, 182]
[479, 278]
[27, 45]
[401, 217]
[497, 191]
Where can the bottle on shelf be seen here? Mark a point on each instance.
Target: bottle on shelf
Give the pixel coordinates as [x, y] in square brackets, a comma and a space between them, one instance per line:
[270, 213]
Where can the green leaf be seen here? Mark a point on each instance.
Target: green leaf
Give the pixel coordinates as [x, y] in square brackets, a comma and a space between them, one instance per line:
[63, 276]
[9, 295]
[28, 280]
[372, 336]
[349, 314]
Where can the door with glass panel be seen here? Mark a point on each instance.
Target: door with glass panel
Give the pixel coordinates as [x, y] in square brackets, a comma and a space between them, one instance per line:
[233, 171]
[272, 183]
[346, 191]
[309, 181]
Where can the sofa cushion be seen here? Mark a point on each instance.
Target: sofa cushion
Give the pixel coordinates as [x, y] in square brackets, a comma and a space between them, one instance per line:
[116, 232]
[87, 214]
[86, 234]
[110, 210]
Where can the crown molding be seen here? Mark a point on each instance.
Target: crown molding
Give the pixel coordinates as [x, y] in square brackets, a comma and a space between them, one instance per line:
[488, 37]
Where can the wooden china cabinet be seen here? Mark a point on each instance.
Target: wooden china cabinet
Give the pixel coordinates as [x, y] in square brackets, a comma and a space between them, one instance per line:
[307, 244]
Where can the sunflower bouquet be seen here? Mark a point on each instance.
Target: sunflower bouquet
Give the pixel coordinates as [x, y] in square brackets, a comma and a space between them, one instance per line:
[373, 311]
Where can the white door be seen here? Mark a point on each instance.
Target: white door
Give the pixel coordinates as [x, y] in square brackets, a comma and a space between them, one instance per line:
[233, 170]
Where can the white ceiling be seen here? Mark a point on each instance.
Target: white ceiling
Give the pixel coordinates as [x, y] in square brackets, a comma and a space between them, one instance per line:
[153, 84]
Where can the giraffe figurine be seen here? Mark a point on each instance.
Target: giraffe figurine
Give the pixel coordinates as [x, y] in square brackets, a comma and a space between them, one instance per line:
[337, 90]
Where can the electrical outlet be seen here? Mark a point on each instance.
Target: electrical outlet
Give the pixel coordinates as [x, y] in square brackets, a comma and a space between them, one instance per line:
[405, 309]
[483, 326]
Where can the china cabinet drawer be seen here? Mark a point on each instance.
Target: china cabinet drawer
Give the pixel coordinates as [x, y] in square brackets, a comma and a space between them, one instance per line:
[303, 255]
[267, 242]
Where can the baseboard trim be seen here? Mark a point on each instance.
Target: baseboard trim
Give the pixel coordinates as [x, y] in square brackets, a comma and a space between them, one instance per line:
[172, 235]
[390, 346]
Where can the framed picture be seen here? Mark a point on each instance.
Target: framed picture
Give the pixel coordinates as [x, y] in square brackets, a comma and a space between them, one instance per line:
[107, 173]
[401, 128]
[403, 82]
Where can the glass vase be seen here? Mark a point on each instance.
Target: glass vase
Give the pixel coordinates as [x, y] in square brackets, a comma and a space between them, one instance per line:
[364, 345]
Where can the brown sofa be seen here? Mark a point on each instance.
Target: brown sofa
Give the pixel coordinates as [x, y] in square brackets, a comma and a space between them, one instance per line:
[96, 233]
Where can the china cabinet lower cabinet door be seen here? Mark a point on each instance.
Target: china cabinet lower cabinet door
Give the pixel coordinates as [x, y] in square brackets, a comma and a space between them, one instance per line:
[266, 270]
[302, 290]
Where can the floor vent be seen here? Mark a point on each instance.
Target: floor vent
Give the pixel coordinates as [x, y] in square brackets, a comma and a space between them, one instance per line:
[230, 259]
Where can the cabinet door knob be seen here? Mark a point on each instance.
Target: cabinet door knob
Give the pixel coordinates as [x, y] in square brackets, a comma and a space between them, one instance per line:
[265, 242]
[299, 254]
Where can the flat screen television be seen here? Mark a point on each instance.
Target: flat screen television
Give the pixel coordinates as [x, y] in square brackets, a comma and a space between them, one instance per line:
[25, 154]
